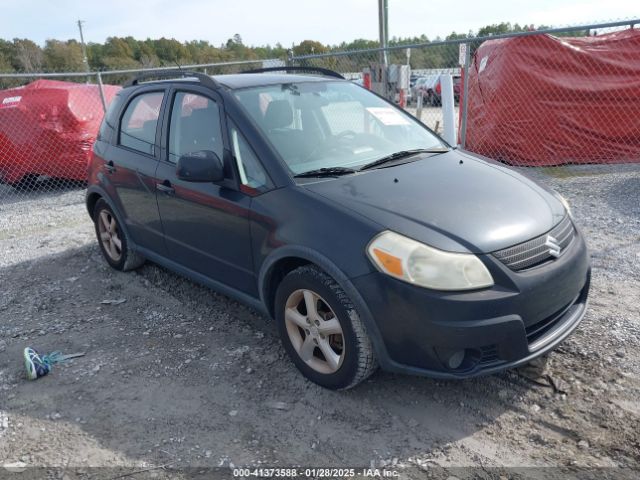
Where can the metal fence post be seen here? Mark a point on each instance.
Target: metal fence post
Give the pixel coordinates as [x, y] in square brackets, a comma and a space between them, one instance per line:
[101, 88]
[465, 97]
[419, 102]
[448, 109]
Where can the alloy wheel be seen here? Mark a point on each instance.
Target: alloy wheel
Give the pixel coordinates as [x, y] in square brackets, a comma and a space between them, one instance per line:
[110, 235]
[314, 331]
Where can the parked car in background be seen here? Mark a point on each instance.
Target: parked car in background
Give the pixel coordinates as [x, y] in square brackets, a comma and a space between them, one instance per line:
[423, 86]
[431, 90]
[367, 238]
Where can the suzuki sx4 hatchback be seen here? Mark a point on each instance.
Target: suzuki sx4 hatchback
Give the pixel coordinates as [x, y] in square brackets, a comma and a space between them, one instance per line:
[367, 238]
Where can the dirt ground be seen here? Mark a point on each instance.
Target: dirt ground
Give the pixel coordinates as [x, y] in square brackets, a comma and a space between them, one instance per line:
[177, 376]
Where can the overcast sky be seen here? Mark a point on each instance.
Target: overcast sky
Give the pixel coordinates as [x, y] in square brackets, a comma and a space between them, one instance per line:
[262, 22]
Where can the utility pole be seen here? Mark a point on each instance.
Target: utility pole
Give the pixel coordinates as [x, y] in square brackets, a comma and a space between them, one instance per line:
[85, 60]
[383, 26]
[382, 72]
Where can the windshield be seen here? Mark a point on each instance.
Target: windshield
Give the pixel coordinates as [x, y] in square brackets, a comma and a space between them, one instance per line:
[315, 125]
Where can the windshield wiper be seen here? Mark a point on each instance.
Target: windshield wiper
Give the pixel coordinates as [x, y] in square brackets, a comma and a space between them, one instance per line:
[326, 172]
[402, 154]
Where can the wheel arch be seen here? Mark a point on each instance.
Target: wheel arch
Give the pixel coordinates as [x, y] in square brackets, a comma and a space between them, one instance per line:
[94, 194]
[273, 274]
[288, 258]
[92, 199]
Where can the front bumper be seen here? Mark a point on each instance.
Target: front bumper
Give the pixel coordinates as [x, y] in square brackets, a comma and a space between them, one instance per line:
[524, 315]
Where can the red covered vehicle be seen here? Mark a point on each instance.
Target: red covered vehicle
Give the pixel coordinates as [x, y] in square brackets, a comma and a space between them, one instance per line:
[47, 128]
[543, 100]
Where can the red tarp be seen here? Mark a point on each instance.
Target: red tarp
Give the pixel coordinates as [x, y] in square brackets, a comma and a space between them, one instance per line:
[544, 100]
[48, 128]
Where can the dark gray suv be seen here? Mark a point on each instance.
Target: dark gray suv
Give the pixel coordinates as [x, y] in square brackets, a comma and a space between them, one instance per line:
[367, 238]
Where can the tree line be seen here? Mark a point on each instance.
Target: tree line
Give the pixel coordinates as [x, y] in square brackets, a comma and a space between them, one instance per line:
[433, 57]
[22, 55]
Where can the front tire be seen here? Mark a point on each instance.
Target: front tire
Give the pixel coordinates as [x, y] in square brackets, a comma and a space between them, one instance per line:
[113, 239]
[321, 330]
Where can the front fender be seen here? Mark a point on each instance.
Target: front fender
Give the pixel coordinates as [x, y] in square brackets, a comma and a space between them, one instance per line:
[312, 256]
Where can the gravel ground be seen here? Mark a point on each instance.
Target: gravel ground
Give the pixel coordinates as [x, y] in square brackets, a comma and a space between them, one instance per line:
[432, 116]
[178, 376]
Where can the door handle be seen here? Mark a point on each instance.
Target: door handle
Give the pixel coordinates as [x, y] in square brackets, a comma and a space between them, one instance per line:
[165, 187]
[110, 167]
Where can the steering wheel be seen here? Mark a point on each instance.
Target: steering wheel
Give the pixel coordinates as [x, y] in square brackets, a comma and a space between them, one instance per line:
[344, 134]
[327, 142]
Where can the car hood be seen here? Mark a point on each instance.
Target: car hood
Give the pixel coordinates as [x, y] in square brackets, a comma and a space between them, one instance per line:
[453, 201]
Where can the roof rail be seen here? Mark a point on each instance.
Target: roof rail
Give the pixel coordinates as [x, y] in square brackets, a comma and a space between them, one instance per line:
[324, 71]
[205, 80]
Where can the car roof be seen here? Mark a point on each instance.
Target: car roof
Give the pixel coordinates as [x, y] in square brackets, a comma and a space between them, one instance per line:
[245, 80]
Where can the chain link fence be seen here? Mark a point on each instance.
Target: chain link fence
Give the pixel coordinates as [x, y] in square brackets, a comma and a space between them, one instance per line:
[561, 96]
[540, 98]
[49, 121]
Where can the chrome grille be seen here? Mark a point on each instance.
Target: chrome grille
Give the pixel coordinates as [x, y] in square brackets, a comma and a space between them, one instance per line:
[536, 251]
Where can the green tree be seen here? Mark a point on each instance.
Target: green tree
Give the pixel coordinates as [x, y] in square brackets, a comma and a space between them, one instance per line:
[63, 56]
[117, 48]
[171, 51]
[309, 47]
[28, 57]
[6, 52]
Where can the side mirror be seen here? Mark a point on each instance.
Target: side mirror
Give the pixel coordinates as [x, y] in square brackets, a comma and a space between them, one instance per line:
[200, 166]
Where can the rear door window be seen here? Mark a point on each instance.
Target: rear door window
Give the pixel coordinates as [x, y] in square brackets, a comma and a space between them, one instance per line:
[140, 121]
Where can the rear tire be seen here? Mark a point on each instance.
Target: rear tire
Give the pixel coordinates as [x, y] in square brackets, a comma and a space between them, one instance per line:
[330, 345]
[113, 240]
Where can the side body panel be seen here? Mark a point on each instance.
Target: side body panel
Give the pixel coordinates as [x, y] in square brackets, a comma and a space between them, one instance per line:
[129, 178]
[206, 225]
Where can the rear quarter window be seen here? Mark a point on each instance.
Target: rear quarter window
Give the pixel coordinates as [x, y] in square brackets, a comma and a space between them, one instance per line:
[140, 121]
[110, 119]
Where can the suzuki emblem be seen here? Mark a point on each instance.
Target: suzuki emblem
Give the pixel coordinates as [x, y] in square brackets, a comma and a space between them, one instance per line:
[554, 246]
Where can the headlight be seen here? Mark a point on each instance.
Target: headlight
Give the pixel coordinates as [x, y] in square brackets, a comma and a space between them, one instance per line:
[419, 264]
[564, 203]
